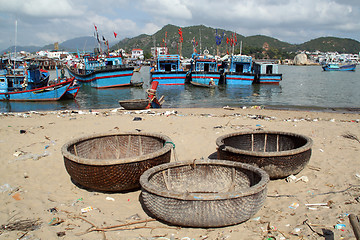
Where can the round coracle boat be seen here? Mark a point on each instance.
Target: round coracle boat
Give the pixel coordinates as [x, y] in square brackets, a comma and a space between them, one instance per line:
[114, 161]
[280, 154]
[135, 104]
[203, 193]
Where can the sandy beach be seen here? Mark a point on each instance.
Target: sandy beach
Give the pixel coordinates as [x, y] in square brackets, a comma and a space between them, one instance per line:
[34, 184]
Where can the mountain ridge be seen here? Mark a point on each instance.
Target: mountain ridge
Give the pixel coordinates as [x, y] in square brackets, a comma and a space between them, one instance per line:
[205, 38]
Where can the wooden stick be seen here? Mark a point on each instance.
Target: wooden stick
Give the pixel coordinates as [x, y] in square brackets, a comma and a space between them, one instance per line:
[165, 180]
[354, 221]
[252, 142]
[128, 147]
[277, 142]
[140, 145]
[125, 224]
[75, 150]
[265, 142]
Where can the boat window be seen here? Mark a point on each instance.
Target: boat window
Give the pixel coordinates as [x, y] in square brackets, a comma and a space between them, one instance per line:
[206, 67]
[167, 67]
[269, 69]
[239, 68]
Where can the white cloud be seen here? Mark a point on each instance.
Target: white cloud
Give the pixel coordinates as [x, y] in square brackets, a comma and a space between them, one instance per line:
[295, 21]
[39, 8]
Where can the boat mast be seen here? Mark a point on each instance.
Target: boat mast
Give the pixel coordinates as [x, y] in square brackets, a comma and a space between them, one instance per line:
[240, 47]
[15, 46]
[200, 40]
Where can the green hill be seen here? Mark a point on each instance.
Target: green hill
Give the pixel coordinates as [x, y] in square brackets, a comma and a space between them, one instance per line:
[250, 45]
[332, 44]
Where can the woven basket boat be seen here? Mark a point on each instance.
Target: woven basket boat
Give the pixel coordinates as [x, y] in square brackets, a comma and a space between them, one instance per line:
[203, 193]
[114, 161]
[280, 154]
[134, 104]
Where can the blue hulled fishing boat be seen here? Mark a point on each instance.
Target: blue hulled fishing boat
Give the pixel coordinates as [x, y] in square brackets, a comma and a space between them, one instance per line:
[168, 70]
[14, 86]
[339, 67]
[204, 71]
[240, 70]
[266, 72]
[107, 72]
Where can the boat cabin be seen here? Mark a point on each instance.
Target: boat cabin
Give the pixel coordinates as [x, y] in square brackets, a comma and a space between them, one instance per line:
[266, 68]
[205, 64]
[241, 63]
[168, 63]
[12, 79]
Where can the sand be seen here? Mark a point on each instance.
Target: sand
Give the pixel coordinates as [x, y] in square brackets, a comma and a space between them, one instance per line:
[34, 183]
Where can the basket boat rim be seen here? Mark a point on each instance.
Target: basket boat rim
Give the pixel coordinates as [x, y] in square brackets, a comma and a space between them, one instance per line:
[151, 188]
[306, 147]
[168, 145]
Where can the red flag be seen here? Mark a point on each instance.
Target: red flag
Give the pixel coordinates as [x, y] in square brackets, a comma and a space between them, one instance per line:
[115, 34]
[95, 27]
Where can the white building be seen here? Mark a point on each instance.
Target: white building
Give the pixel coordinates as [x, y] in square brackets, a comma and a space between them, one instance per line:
[55, 54]
[155, 51]
[137, 54]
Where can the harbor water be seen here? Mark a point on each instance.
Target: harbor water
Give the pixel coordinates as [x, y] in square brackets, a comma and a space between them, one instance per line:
[302, 87]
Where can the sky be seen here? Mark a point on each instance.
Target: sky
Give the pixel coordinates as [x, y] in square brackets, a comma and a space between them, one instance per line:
[42, 22]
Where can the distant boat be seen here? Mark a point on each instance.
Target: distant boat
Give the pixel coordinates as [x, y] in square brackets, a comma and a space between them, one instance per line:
[204, 72]
[240, 71]
[168, 70]
[339, 67]
[108, 72]
[267, 73]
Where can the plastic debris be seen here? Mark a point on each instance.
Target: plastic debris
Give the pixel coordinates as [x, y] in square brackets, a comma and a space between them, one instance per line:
[339, 226]
[110, 199]
[16, 196]
[5, 188]
[291, 178]
[87, 209]
[303, 179]
[76, 201]
[294, 205]
[32, 156]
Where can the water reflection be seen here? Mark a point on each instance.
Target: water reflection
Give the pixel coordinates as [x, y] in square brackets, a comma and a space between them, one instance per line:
[301, 86]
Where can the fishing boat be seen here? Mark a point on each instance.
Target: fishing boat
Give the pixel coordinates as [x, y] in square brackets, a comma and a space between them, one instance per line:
[239, 70]
[338, 67]
[168, 70]
[14, 88]
[106, 72]
[267, 73]
[204, 71]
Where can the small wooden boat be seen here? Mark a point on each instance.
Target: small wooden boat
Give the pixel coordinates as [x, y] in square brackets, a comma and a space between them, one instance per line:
[135, 104]
[197, 84]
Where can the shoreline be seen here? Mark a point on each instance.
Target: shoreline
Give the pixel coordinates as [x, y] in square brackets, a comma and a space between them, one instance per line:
[345, 110]
[40, 188]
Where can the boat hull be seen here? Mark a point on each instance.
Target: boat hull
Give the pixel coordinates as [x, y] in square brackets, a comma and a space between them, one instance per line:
[330, 67]
[49, 93]
[268, 78]
[169, 77]
[106, 78]
[71, 93]
[237, 78]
